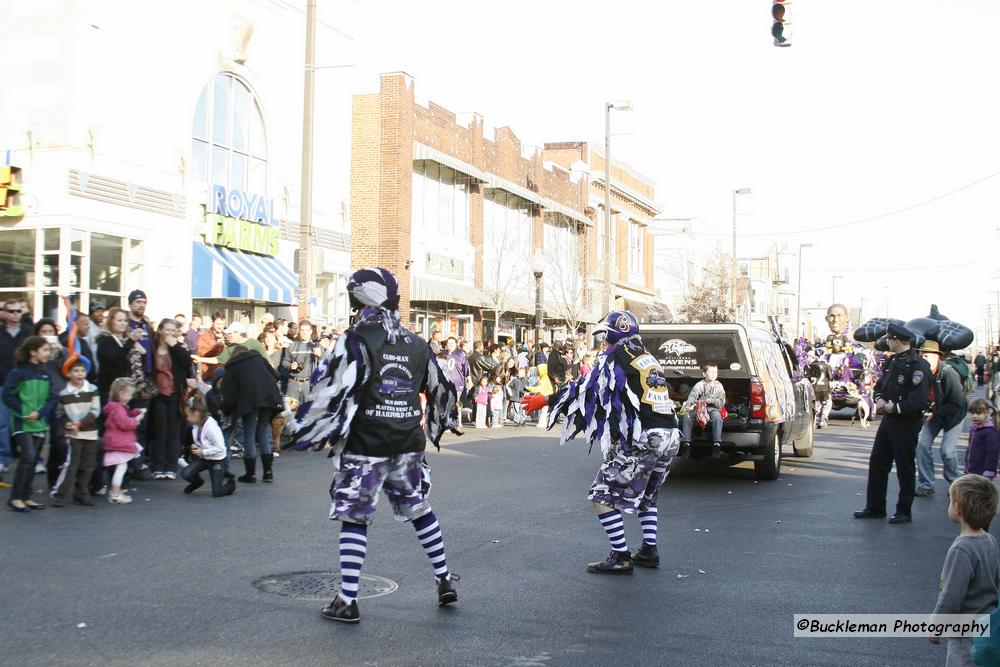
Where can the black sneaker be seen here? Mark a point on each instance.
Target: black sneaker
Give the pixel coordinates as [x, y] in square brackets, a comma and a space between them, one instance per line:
[338, 610]
[446, 590]
[195, 484]
[684, 450]
[646, 556]
[56, 501]
[716, 451]
[618, 562]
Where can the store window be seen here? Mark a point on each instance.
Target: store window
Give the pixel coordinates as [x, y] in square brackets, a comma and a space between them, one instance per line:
[562, 280]
[42, 264]
[440, 199]
[507, 224]
[229, 144]
[636, 263]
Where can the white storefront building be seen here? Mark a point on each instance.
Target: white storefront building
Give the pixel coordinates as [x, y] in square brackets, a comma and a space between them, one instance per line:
[159, 148]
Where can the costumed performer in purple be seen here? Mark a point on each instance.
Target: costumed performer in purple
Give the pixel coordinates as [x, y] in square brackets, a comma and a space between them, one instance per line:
[624, 405]
[365, 400]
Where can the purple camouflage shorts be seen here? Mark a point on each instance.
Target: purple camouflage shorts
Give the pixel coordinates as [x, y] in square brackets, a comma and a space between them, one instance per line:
[406, 480]
[631, 477]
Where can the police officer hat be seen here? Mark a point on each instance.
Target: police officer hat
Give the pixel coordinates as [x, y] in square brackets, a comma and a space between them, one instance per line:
[899, 331]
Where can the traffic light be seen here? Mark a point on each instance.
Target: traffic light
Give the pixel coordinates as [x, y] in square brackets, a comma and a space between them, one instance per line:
[781, 27]
[10, 192]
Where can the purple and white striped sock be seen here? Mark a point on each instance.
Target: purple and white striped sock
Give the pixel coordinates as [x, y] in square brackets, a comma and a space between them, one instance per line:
[649, 518]
[353, 547]
[429, 534]
[614, 526]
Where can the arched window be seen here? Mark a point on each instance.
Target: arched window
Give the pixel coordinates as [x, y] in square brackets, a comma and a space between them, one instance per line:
[229, 144]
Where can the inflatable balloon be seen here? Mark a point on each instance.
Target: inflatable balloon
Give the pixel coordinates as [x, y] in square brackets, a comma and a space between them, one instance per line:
[936, 314]
[874, 329]
[73, 354]
[951, 335]
[936, 327]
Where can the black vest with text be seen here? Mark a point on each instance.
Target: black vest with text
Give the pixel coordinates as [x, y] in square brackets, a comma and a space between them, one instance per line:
[387, 422]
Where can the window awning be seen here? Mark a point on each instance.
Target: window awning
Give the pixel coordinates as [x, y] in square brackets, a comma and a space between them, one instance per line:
[425, 152]
[220, 273]
[556, 207]
[648, 313]
[428, 289]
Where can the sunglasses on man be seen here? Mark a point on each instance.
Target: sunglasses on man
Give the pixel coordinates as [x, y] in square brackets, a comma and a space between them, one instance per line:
[12, 311]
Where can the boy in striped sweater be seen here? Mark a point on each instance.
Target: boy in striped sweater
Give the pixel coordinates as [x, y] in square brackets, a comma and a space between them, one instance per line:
[77, 410]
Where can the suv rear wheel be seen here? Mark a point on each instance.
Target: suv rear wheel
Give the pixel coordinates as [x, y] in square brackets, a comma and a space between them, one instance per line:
[769, 467]
[803, 447]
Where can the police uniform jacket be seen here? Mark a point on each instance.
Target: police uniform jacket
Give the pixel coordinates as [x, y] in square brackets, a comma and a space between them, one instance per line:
[906, 382]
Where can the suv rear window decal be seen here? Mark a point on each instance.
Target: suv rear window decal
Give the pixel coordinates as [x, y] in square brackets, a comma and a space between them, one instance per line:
[679, 353]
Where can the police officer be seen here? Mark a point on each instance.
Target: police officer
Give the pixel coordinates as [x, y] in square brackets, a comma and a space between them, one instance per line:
[901, 396]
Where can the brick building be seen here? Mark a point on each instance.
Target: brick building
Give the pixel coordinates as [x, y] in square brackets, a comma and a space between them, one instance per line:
[465, 220]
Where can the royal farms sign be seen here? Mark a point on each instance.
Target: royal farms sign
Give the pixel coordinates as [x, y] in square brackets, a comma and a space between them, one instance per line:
[241, 221]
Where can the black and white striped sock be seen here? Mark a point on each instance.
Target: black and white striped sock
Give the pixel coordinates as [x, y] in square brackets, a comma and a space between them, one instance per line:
[614, 526]
[353, 547]
[429, 534]
[649, 518]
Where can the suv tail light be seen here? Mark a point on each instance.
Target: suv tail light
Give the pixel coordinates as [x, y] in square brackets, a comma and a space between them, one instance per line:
[757, 410]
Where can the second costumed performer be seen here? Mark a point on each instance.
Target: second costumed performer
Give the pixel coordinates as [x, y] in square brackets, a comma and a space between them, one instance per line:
[624, 405]
[365, 401]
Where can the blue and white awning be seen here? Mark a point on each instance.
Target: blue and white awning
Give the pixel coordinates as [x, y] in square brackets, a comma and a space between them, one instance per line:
[220, 273]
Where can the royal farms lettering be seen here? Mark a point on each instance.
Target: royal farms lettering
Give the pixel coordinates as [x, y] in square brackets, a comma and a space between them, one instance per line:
[241, 221]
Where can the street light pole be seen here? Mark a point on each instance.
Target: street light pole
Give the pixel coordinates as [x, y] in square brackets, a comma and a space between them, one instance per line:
[305, 202]
[732, 276]
[834, 283]
[624, 105]
[798, 297]
[537, 267]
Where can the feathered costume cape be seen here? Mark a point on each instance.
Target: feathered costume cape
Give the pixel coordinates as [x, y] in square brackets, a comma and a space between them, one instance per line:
[602, 403]
[339, 380]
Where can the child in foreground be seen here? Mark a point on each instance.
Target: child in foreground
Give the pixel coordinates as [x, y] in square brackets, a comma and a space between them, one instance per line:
[984, 441]
[78, 409]
[120, 445]
[208, 452]
[970, 577]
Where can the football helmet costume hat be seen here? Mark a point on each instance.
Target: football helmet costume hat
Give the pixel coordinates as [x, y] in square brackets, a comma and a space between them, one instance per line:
[618, 324]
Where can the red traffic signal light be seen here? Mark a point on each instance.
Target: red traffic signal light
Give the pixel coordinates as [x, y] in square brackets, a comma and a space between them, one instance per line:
[781, 26]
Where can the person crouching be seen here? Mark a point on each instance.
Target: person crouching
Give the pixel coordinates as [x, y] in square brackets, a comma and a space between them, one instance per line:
[208, 451]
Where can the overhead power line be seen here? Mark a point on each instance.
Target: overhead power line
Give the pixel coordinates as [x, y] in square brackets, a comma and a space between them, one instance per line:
[861, 221]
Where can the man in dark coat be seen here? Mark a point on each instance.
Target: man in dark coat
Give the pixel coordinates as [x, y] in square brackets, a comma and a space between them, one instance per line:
[250, 394]
[947, 415]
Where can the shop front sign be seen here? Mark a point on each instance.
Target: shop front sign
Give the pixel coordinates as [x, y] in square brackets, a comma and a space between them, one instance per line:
[241, 221]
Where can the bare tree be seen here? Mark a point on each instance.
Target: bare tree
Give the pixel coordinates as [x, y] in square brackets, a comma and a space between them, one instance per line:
[712, 291]
[506, 271]
[565, 281]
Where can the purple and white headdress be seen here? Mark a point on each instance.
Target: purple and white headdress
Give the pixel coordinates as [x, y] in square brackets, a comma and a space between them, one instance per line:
[375, 292]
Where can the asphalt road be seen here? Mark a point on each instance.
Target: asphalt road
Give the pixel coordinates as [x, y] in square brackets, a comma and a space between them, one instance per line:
[170, 579]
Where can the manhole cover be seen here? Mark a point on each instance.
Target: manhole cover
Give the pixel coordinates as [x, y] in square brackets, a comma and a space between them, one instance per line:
[321, 585]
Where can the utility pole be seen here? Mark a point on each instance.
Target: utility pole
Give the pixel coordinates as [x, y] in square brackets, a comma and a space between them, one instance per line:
[798, 297]
[305, 202]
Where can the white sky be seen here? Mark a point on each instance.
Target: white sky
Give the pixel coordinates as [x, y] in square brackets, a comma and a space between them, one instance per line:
[876, 107]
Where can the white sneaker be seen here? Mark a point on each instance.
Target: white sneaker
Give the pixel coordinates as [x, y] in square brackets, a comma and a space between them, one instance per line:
[103, 491]
[169, 475]
[181, 463]
[120, 499]
[39, 468]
